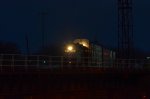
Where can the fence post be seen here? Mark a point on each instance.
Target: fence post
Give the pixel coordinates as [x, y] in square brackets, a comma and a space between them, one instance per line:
[13, 68]
[88, 62]
[26, 62]
[62, 63]
[1, 62]
[38, 64]
[50, 63]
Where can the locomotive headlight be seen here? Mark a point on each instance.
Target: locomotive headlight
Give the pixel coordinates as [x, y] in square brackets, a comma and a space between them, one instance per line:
[70, 48]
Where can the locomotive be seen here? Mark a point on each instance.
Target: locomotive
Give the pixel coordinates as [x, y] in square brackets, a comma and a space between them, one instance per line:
[82, 51]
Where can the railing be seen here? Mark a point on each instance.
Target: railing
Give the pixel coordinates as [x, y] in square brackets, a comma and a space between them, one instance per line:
[15, 63]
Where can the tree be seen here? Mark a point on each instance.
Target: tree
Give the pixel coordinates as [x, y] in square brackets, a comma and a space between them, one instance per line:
[51, 50]
[9, 48]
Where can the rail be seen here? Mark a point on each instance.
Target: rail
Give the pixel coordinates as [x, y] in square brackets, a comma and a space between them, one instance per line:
[15, 63]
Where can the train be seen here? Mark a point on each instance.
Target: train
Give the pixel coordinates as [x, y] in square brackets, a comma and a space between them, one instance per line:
[82, 51]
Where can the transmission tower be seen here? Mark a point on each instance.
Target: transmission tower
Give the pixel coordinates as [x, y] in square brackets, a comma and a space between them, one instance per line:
[125, 29]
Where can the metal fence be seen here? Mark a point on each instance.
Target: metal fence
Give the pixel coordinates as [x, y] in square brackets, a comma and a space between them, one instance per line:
[41, 62]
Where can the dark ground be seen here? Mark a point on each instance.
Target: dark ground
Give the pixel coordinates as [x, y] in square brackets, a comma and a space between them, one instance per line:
[75, 86]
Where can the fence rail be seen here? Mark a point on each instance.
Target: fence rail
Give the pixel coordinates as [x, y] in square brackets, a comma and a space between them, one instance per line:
[40, 62]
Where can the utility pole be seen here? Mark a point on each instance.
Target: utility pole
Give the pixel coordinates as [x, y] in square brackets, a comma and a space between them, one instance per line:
[43, 27]
[27, 44]
[125, 30]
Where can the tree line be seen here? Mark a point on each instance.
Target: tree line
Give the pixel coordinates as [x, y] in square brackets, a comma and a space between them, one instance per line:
[52, 50]
[13, 48]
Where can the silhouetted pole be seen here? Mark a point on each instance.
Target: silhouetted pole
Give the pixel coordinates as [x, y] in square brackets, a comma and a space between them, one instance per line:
[27, 44]
[43, 17]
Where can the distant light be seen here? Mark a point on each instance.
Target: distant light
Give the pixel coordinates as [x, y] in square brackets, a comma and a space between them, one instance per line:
[144, 97]
[147, 57]
[44, 61]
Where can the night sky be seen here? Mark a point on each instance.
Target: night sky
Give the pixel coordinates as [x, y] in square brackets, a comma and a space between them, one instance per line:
[69, 19]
